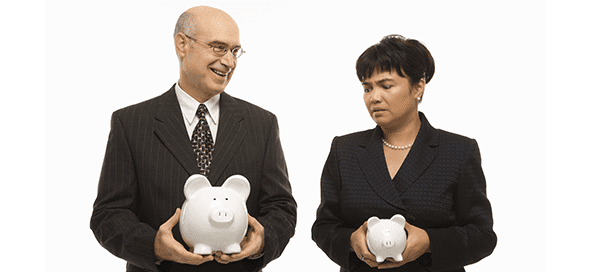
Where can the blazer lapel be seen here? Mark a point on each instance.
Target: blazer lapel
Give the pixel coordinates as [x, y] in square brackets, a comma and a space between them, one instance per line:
[230, 134]
[419, 158]
[170, 128]
[374, 167]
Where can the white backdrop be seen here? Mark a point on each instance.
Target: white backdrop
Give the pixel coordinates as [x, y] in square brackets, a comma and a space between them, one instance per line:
[489, 85]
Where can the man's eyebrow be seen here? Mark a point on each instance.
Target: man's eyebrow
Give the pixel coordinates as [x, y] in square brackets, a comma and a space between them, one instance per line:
[222, 43]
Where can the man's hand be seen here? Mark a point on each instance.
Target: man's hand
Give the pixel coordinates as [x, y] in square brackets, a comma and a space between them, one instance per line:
[167, 248]
[252, 244]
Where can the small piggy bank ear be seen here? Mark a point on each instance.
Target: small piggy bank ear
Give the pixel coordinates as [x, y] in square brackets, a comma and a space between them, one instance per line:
[372, 222]
[194, 183]
[399, 219]
[239, 184]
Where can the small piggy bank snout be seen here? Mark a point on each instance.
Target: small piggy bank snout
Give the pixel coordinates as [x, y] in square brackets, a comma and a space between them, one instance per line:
[388, 242]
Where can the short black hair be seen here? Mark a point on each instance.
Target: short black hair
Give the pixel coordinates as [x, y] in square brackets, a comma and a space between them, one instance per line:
[395, 52]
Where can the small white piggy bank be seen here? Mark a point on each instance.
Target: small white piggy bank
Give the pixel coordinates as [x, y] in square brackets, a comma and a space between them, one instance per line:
[386, 238]
[214, 218]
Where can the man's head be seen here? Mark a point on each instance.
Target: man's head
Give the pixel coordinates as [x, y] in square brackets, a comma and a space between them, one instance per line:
[200, 37]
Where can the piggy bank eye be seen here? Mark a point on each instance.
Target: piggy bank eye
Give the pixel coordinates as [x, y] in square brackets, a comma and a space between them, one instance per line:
[226, 198]
[214, 198]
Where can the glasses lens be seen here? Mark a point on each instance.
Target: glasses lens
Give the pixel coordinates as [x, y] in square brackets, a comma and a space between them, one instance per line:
[237, 52]
[219, 50]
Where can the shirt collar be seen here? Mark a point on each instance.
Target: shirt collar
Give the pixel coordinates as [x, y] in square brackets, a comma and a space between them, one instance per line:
[188, 105]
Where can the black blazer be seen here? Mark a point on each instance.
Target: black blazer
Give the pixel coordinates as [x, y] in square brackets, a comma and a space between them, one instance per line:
[148, 159]
[440, 187]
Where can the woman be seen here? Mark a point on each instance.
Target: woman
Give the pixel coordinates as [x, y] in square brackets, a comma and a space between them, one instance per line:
[403, 166]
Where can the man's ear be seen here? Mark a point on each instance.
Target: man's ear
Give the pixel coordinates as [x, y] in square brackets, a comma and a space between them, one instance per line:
[181, 43]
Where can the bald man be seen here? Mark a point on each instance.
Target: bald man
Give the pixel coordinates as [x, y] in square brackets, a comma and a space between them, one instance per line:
[154, 146]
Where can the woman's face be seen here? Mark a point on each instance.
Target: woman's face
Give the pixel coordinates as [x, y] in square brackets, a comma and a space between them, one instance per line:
[391, 99]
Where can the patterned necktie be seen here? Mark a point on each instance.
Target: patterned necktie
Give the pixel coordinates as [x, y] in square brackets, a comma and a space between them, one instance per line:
[202, 141]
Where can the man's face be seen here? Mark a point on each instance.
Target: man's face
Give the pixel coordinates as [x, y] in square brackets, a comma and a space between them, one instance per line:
[205, 70]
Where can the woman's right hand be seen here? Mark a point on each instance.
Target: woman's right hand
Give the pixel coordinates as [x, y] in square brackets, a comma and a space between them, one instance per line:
[358, 243]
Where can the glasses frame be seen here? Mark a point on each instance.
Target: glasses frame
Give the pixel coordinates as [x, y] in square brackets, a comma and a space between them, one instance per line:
[236, 52]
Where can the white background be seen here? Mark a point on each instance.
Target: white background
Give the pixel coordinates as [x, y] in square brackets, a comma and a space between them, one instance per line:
[494, 82]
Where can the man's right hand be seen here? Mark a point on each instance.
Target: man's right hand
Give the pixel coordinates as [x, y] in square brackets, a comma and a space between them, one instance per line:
[168, 249]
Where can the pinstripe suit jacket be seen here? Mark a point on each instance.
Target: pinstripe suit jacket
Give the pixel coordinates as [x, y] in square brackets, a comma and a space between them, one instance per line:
[148, 159]
[440, 187]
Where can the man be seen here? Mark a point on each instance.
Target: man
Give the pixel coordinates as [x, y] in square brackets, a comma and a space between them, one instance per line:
[195, 127]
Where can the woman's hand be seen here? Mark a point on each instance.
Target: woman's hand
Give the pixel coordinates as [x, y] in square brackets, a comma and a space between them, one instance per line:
[417, 244]
[358, 243]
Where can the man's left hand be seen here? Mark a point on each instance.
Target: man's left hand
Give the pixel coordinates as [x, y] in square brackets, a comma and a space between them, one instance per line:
[252, 244]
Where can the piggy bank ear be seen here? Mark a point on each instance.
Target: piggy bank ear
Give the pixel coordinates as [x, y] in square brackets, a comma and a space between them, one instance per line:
[399, 219]
[239, 184]
[372, 222]
[194, 183]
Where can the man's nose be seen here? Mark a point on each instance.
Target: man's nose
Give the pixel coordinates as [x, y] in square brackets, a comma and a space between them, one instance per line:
[228, 60]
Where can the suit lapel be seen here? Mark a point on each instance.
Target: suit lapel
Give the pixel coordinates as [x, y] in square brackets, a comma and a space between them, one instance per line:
[170, 128]
[230, 134]
[374, 167]
[419, 158]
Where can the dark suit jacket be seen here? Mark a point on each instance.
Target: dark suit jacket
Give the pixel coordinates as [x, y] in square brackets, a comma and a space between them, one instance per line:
[148, 159]
[440, 187]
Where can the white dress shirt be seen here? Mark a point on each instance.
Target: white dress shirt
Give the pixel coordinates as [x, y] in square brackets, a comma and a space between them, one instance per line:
[189, 105]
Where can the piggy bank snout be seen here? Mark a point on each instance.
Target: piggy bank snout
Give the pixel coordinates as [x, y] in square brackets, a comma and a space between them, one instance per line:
[388, 244]
[221, 216]
[388, 241]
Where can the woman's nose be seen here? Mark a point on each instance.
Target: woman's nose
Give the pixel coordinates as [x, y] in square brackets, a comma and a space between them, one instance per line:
[376, 96]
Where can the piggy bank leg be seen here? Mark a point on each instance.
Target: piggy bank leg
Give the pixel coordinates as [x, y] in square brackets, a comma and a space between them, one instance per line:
[398, 257]
[202, 249]
[232, 248]
[380, 259]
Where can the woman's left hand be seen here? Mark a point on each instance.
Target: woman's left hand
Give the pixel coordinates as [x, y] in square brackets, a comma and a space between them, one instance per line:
[417, 244]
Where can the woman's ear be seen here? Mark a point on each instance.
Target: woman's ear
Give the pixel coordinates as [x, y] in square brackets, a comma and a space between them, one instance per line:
[418, 89]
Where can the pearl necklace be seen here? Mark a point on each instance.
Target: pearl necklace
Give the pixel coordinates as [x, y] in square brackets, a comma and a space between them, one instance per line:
[396, 147]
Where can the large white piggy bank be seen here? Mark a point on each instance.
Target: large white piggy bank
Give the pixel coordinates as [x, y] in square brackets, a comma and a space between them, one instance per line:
[386, 237]
[214, 218]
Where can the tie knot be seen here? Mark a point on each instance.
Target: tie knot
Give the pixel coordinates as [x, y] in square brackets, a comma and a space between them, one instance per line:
[201, 111]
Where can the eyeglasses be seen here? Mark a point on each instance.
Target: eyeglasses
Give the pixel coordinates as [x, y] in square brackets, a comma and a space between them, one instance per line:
[220, 50]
